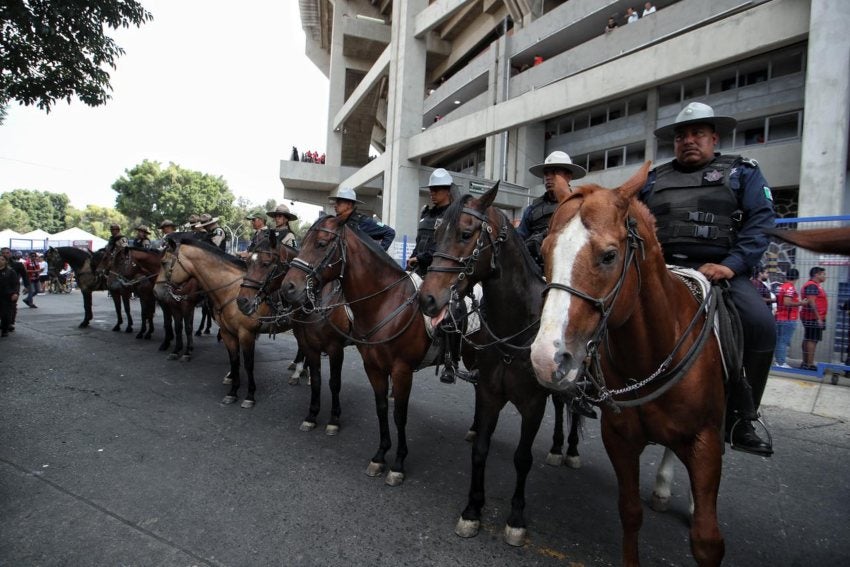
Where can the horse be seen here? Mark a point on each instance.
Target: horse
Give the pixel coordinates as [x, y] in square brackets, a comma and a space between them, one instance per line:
[824, 240]
[84, 264]
[477, 243]
[219, 274]
[135, 269]
[388, 328]
[620, 329]
[316, 330]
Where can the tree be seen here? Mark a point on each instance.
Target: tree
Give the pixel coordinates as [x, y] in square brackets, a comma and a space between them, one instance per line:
[13, 218]
[44, 210]
[96, 220]
[54, 49]
[152, 194]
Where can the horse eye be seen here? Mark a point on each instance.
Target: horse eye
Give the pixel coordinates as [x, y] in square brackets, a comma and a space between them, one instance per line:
[609, 256]
[466, 234]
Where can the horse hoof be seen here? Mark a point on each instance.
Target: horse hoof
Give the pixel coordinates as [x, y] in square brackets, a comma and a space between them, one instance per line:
[248, 404]
[307, 426]
[227, 380]
[515, 536]
[84, 324]
[227, 400]
[331, 430]
[198, 334]
[147, 337]
[554, 459]
[186, 358]
[116, 328]
[572, 462]
[291, 366]
[467, 528]
[659, 503]
[293, 380]
[172, 356]
[470, 436]
[128, 330]
[394, 478]
[375, 469]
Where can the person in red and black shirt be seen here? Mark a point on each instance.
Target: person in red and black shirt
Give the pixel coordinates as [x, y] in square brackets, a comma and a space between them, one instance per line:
[813, 315]
[33, 269]
[787, 313]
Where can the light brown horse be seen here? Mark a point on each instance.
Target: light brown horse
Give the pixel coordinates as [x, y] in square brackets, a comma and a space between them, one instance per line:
[824, 240]
[219, 275]
[618, 327]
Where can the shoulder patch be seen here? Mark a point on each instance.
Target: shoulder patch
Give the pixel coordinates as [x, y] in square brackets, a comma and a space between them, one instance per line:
[749, 161]
[767, 194]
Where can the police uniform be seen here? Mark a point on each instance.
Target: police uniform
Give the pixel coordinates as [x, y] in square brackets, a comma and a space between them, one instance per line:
[257, 237]
[377, 231]
[718, 214]
[142, 243]
[217, 237]
[534, 225]
[426, 244]
[284, 236]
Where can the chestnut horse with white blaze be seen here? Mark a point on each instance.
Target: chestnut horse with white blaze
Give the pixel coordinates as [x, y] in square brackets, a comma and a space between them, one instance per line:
[622, 330]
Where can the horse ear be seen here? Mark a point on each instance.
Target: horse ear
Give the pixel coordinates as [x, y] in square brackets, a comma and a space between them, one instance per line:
[487, 198]
[635, 183]
[272, 240]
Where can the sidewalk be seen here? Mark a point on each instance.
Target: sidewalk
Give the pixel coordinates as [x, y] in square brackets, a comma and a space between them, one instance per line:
[809, 393]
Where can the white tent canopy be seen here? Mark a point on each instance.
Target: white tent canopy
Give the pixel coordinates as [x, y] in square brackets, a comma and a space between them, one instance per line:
[75, 235]
[39, 239]
[6, 235]
[37, 234]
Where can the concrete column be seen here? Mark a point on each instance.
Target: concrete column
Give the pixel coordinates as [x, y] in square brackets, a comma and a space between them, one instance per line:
[823, 163]
[336, 84]
[651, 122]
[530, 149]
[404, 119]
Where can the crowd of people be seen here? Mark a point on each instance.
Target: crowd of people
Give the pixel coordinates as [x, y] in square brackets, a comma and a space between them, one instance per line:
[309, 156]
[631, 16]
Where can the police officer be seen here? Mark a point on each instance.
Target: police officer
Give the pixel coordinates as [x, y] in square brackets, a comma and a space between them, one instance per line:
[258, 223]
[439, 186]
[214, 233]
[283, 234]
[142, 239]
[712, 211]
[166, 227]
[345, 205]
[557, 171]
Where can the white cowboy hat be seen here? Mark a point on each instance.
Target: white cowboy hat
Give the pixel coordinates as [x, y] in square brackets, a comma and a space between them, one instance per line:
[440, 178]
[561, 160]
[345, 193]
[697, 113]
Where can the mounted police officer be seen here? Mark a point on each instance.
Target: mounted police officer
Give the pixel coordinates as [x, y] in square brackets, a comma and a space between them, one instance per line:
[142, 239]
[281, 231]
[214, 233]
[439, 186]
[345, 205]
[712, 211]
[166, 227]
[557, 171]
[258, 223]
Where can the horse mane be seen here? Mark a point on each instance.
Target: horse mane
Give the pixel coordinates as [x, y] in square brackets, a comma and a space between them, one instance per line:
[145, 250]
[75, 257]
[214, 250]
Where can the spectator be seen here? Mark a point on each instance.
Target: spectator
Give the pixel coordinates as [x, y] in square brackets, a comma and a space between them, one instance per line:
[611, 26]
[537, 60]
[759, 278]
[9, 287]
[16, 264]
[648, 9]
[713, 212]
[294, 155]
[787, 313]
[33, 269]
[813, 315]
[631, 16]
[43, 278]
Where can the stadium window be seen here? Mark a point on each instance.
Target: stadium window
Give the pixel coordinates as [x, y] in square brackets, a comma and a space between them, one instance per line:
[694, 88]
[598, 116]
[670, 94]
[722, 80]
[581, 121]
[596, 161]
[636, 105]
[786, 63]
[783, 127]
[635, 153]
[615, 157]
[616, 110]
[749, 132]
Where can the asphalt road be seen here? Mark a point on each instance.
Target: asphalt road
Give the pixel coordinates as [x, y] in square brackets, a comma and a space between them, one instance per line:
[112, 455]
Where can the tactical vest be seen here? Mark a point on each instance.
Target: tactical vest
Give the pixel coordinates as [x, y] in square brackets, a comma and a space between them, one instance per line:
[427, 227]
[539, 215]
[697, 214]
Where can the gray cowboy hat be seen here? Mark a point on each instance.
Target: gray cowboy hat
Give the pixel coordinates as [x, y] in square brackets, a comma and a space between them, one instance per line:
[206, 220]
[165, 223]
[256, 215]
[697, 113]
[282, 210]
[345, 193]
[561, 160]
[143, 228]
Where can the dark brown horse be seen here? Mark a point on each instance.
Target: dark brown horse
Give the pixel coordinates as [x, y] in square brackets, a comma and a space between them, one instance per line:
[388, 328]
[619, 328]
[219, 275]
[318, 330]
[477, 243]
[136, 269]
[824, 240]
[85, 264]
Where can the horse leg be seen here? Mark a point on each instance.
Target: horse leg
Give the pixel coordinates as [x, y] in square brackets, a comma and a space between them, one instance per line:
[402, 382]
[87, 311]
[207, 309]
[663, 482]
[116, 300]
[168, 323]
[702, 458]
[336, 356]
[489, 406]
[151, 308]
[144, 315]
[532, 415]
[476, 420]
[248, 341]
[572, 458]
[187, 321]
[380, 387]
[555, 457]
[125, 297]
[624, 455]
[314, 365]
[231, 343]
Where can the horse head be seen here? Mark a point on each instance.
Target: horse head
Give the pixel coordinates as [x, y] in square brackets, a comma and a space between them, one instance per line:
[466, 241]
[592, 242]
[54, 260]
[320, 260]
[267, 265]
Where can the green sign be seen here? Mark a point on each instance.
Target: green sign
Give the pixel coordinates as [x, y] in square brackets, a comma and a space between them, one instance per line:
[478, 187]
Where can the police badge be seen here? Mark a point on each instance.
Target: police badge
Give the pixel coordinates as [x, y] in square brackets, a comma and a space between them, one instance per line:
[713, 176]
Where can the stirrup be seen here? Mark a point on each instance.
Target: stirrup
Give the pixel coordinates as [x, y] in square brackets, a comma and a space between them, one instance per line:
[730, 437]
[581, 407]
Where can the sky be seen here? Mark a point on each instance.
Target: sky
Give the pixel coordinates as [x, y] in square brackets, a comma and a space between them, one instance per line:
[219, 87]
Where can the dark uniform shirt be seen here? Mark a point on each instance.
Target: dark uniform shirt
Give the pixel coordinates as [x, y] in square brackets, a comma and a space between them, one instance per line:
[142, 243]
[534, 225]
[378, 231]
[426, 244]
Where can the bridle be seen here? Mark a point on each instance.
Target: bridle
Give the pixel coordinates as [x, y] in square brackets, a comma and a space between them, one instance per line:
[278, 270]
[314, 281]
[592, 366]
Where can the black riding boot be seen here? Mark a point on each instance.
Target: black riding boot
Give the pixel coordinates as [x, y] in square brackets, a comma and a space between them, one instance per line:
[742, 411]
[451, 369]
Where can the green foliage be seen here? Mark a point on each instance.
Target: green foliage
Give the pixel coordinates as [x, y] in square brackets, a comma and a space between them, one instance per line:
[96, 220]
[150, 194]
[13, 218]
[53, 49]
[42, 209]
